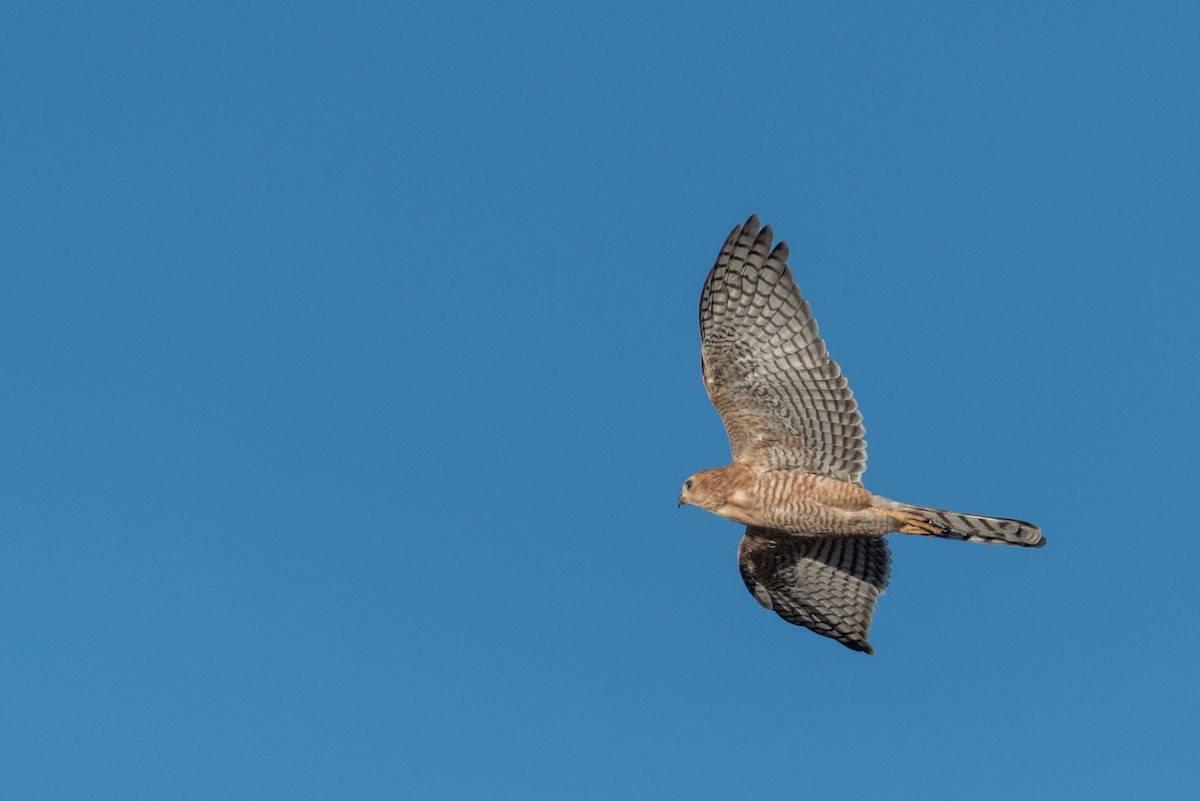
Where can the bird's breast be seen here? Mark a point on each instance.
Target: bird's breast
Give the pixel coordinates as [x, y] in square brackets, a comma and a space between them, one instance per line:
[795, 501]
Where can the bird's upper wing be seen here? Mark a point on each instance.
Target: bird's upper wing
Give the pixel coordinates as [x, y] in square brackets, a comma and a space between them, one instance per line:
[784, 402]
[827, 584]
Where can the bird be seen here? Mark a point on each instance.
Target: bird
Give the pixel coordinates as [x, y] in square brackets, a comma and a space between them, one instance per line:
[814, 550]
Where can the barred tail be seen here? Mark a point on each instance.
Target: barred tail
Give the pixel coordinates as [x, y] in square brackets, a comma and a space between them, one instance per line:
[977, 528]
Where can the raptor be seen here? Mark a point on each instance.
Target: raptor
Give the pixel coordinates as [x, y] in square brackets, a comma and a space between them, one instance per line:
[814, 549]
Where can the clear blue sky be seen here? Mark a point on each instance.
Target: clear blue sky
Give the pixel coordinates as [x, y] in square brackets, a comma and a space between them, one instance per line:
[350, 372]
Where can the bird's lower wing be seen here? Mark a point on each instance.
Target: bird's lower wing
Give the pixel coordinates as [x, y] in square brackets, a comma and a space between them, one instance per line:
[827, 584]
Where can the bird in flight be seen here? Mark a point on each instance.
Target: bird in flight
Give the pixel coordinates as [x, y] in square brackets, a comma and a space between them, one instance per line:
[813, 551]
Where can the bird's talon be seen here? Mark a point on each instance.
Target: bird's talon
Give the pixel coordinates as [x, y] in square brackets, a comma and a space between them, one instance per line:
[911, 523]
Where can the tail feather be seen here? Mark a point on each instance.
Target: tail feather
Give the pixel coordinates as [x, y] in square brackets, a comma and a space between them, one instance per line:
[977, 528]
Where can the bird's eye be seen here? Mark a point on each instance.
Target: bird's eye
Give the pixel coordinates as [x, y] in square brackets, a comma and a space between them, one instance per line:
[687, 485]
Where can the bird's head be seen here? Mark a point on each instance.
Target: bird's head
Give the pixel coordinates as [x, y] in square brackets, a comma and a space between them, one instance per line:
[706, 489]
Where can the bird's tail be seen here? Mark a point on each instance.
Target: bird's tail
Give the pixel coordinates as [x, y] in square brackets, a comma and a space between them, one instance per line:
[974, 528]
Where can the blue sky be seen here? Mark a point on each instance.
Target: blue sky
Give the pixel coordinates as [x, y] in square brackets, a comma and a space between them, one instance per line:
[351, 372]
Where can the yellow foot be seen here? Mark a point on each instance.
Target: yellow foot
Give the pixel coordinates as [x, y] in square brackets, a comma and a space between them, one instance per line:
[911, 523]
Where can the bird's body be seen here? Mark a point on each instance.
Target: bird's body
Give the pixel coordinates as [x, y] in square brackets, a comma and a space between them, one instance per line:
[789, 501]
[813, 550]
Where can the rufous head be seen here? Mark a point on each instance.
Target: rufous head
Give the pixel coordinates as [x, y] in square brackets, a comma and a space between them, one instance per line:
[705, 489]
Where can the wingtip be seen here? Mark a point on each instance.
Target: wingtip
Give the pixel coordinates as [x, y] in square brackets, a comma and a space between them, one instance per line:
[748, 228]
[861, 646]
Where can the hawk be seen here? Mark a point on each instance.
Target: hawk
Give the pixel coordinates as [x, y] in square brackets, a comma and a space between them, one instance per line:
[813, 551]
